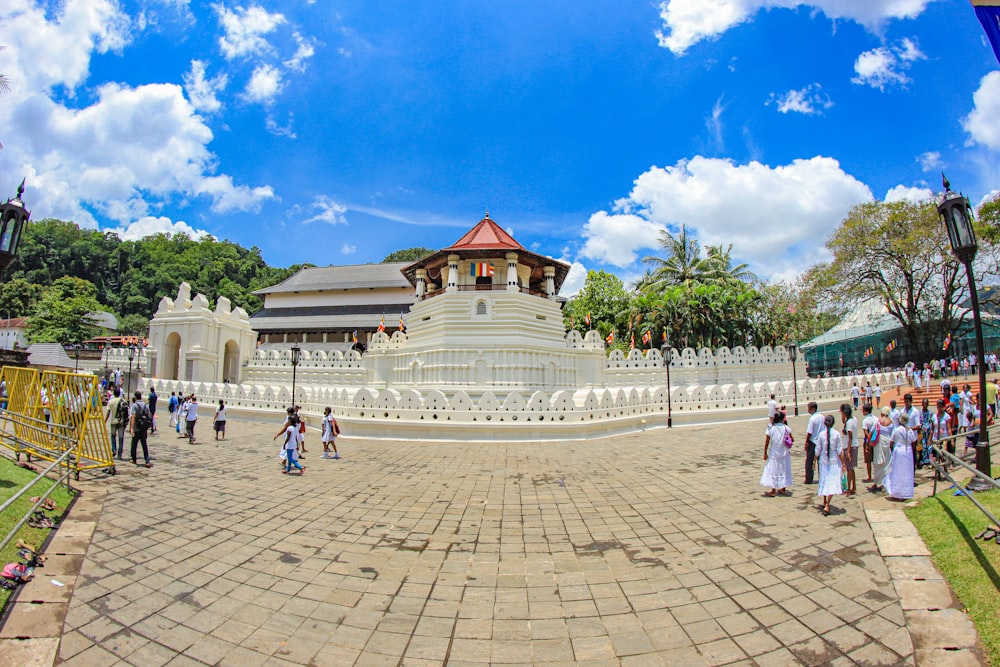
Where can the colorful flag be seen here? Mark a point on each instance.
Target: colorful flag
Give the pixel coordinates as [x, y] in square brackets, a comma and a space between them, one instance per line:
[631, 344]
[402, 327]
[611, 338]
[988, 12]
[354, 336]
[481, 269]
[647, 339]
[381, 325]
[664, 335]
[891, 346]
[587, 320]
[947, 342]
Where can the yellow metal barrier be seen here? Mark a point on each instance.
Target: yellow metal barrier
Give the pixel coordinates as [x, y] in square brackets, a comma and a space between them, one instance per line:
[47, 413]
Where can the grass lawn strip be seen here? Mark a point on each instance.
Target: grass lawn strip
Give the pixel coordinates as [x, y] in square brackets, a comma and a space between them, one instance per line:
[12, 479]
[948, 525]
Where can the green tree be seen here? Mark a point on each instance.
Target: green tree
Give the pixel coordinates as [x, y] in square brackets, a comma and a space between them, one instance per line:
[18, 297]
[133, 325]
[896, 252]
[607, 301]
[63, 313]
[682, 262]
[408, 255]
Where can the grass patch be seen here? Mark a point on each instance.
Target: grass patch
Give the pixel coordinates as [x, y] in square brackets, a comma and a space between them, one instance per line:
[948, 525]
[12, 479]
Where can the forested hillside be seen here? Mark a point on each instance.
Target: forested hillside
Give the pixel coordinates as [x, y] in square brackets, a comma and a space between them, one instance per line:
[130, 277]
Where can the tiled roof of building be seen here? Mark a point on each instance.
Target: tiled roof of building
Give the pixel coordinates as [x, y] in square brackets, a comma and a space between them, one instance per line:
[356, 276]
[329, 318]
[14, 323]
[486, 235]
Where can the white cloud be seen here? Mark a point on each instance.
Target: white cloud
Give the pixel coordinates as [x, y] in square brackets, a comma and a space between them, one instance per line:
[930, 161]
[150, 226]
[264, 84]
[574, 281]
[306, 49]
[201, 91]
[348, 249]
[329, 211]
[772, 215]
[908, 193]
[981, 123]
[809, 100]
[244, 30]
[687, 22]
[714, 124]
[43, 53]
[280, 130]
[884, 67]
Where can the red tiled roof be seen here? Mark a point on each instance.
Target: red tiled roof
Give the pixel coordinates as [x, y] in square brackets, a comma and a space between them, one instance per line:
[14, 323]
[486, 235]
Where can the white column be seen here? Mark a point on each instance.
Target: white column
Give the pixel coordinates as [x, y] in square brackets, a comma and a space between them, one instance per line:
[512, 285]
[421, 283]
[550, 281]
[452, 273]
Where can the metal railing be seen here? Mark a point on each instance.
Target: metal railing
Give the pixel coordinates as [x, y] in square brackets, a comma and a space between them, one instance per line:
[62, 461]
[942, 471]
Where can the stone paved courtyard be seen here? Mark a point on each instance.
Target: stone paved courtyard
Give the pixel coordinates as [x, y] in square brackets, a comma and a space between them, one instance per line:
[651, 548]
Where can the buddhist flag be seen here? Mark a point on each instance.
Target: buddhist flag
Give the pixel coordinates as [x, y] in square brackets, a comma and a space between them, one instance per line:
[647, 339]
[891, 346]
[587, 320]
[664, 335]
[381, 325]
[481, 269]
[611, 338]
[947, 342]
[631, 343]
[988, 12]
[354, 336]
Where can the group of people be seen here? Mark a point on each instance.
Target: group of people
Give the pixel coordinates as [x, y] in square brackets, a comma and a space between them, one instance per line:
[893, 444]
[293, 445]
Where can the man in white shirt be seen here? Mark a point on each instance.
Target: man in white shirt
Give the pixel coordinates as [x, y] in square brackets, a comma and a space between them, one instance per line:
[772, 407]
[894, 413]
[813, 429]
[867, 429]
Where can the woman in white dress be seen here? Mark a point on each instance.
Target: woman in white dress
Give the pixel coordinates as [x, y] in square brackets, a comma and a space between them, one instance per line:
[829, 457]
[778, 469]
[881, 443]
[899, 483]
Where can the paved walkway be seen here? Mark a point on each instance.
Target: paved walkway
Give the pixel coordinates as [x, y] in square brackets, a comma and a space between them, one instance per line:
[651, 548]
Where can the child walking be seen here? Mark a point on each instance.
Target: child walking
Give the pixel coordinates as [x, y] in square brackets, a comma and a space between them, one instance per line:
[290, 445]
[330, 432]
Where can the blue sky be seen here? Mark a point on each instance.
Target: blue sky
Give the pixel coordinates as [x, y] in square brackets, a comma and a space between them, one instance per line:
[336, 132]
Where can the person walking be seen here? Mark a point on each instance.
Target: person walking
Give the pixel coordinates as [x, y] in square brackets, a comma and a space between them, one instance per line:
[139, 424]
[172, 405]
[290, 445]
[302, 432]
[330, 432]
[877, 393]
[851, 444]
[181, 415]
[868, 423]
[191, 417]
[899, 481]
[881, 450]
[829, 455]
[116, 413]
[813, 429]
[777, 474]
[926, 432]
[152, 407]
[941, 428]
[772, 407]
[220, 420]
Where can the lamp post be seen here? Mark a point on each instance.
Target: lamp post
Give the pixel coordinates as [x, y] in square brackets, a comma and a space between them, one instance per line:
[793, 354]
[13, 218]
[956, 215]
[667, 358]
[131, 358]
[296, 351]
[76, 354]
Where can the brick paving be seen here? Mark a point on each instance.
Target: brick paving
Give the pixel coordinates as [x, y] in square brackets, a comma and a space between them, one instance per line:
[651, 548]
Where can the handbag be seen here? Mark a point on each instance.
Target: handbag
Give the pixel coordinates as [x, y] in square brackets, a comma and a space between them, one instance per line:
[789, 440]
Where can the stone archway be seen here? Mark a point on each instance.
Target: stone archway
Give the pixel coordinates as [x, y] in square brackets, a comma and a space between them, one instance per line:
[170, 362]
[231, 362]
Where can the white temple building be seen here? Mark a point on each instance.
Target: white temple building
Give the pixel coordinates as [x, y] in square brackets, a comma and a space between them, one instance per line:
[485, 344]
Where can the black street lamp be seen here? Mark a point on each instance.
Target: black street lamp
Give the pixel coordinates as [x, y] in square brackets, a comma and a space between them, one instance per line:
[296, 352]
[13, 218]
[667, 358]
[956, 215]
[131, 357]
[76, 354]
[793, 354]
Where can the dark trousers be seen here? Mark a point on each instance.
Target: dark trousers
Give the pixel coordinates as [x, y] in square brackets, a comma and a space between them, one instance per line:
[810, 461]
[137, 437]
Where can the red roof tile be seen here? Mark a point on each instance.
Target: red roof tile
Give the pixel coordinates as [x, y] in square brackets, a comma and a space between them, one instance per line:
[486, 235]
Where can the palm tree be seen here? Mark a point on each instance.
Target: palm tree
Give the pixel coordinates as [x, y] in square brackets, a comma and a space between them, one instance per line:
[723, 269]
[683, 262]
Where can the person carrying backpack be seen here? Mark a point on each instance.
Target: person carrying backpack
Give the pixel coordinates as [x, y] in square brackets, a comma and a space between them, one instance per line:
[141, 421]
[172, 405]
[117, 415]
